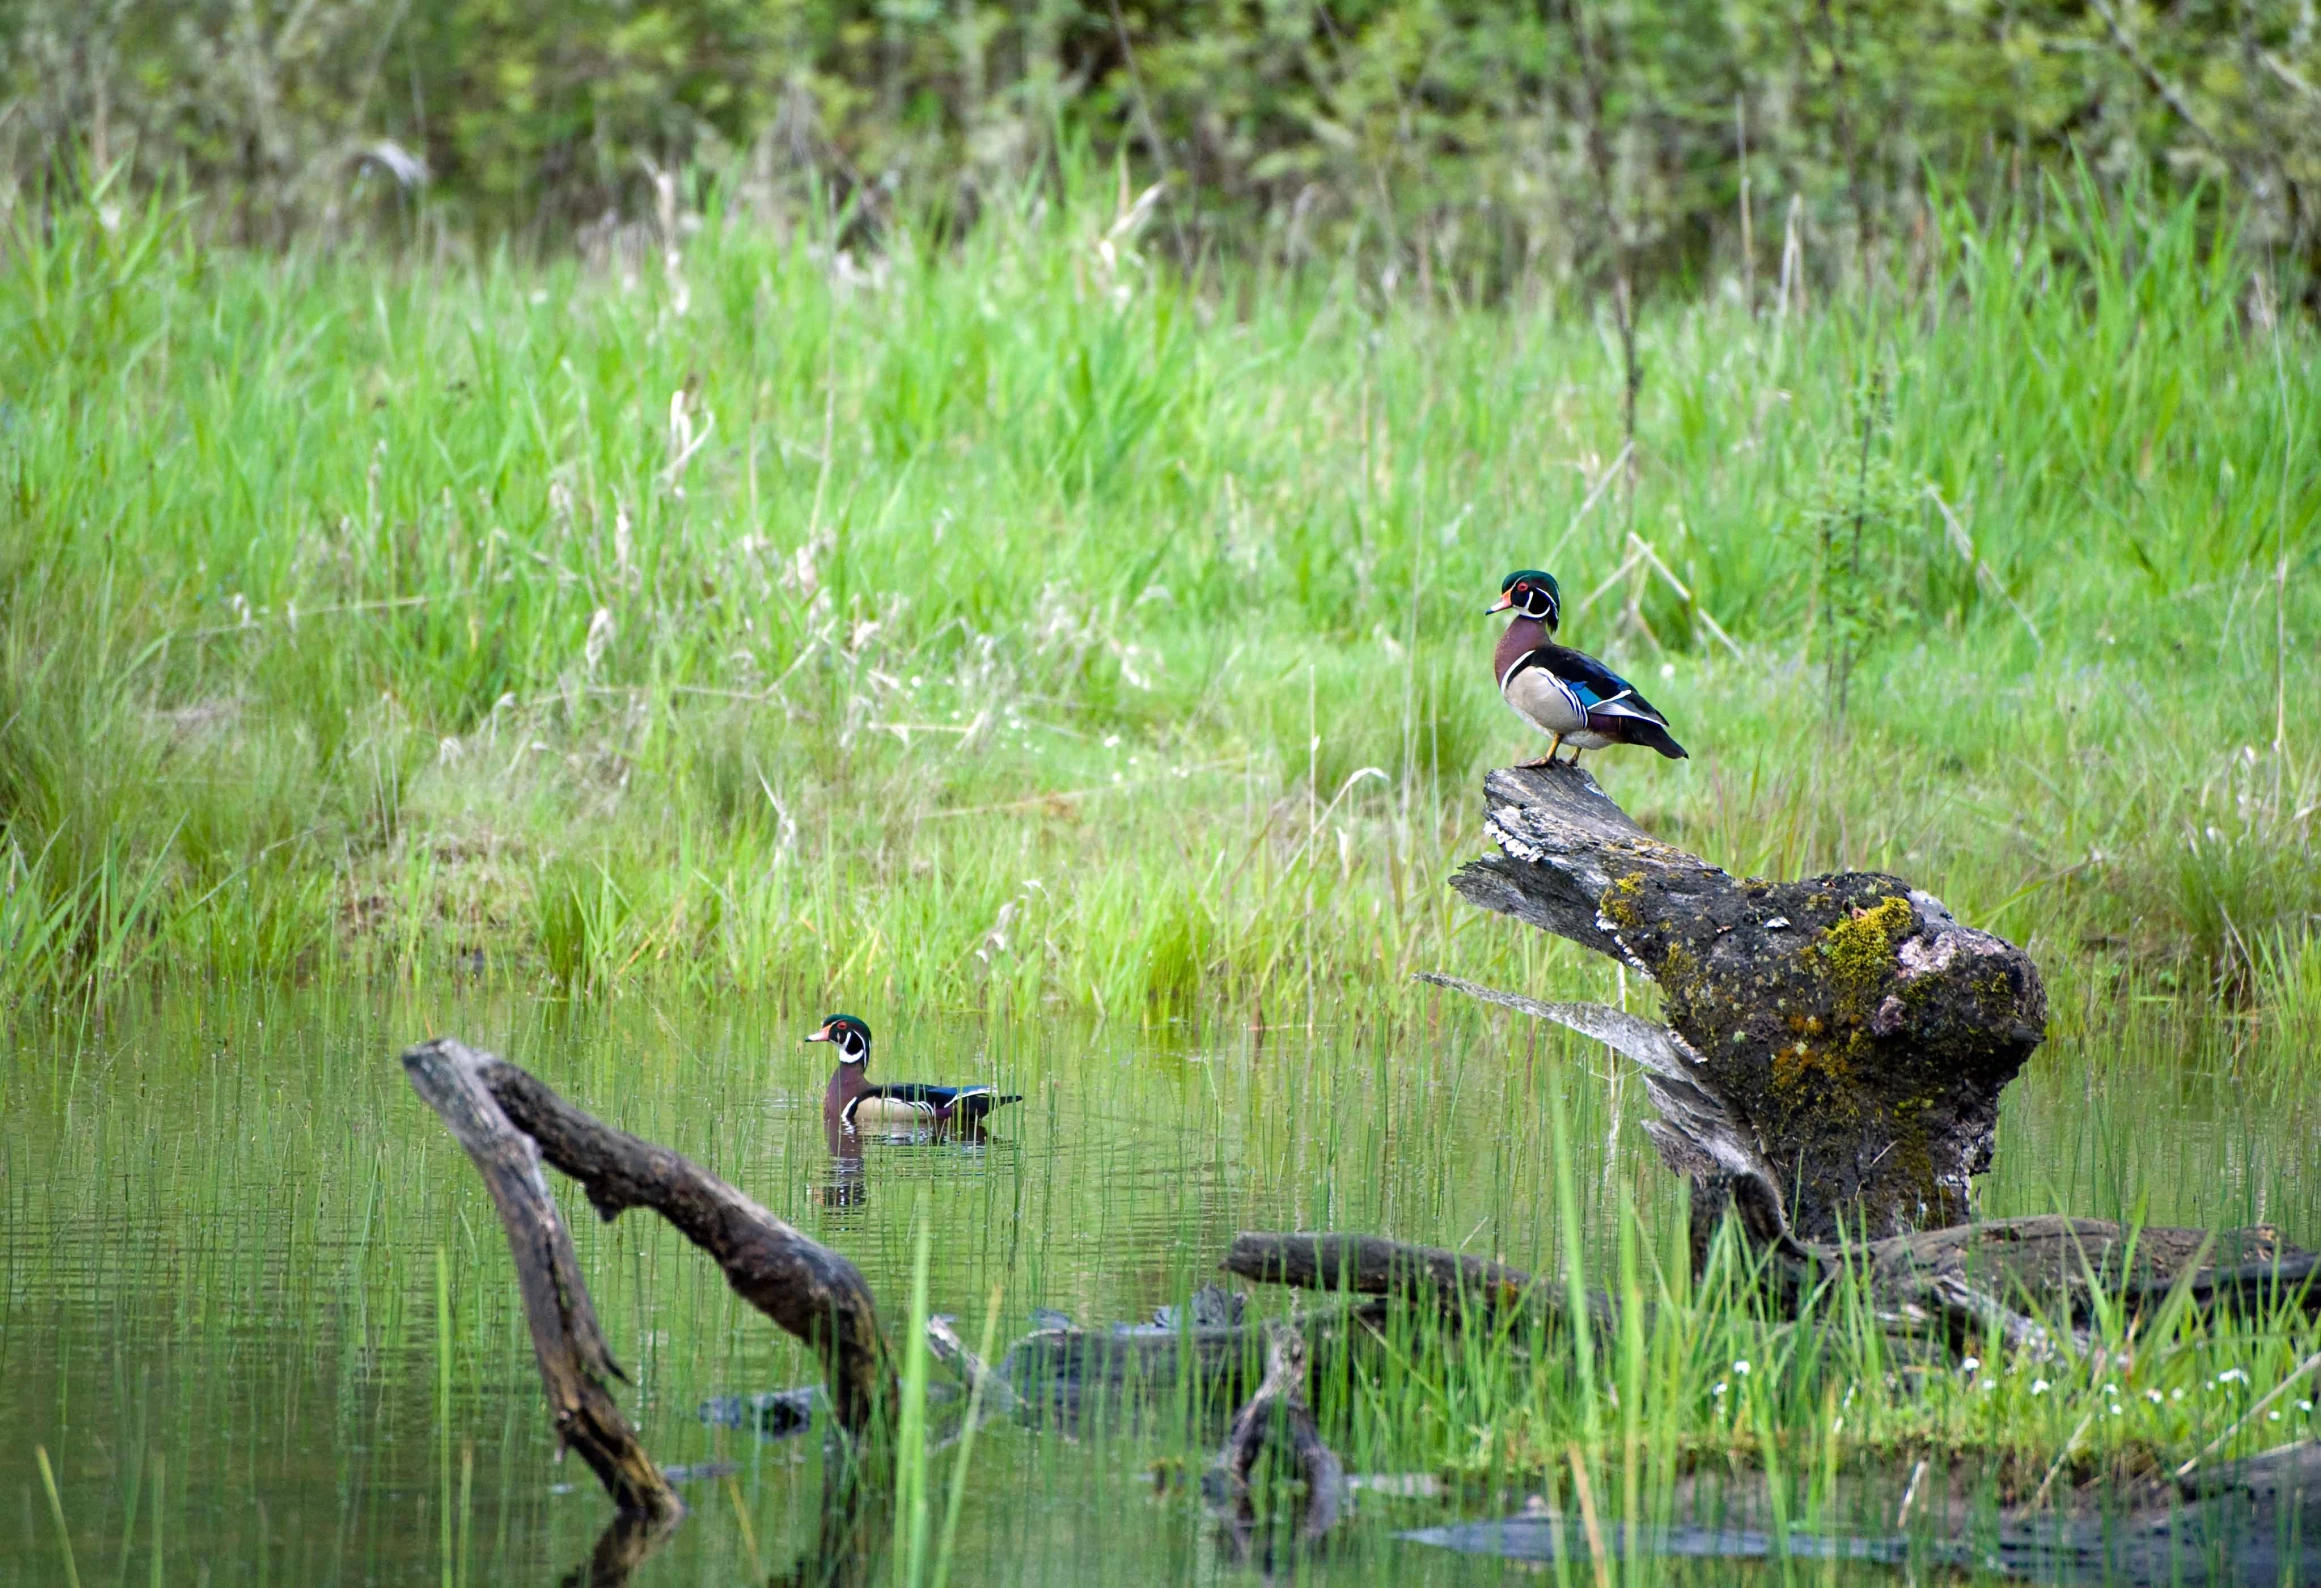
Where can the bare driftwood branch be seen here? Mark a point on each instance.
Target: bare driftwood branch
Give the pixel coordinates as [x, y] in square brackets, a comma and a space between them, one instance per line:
[800, 1284]
[1846, 1029]
[575, 1362]
[995, 1394]
[1698, 1133]
[1277, 1412]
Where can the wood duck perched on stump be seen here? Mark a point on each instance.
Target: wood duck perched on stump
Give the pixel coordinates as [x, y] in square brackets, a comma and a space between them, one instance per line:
[852, 1099]
[1564, 692]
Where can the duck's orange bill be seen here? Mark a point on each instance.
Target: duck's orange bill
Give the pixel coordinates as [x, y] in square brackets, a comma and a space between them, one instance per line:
[1500, 605]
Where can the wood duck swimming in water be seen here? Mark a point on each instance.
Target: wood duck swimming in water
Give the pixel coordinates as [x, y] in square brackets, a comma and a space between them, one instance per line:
[1564, 692]
[852, 1099]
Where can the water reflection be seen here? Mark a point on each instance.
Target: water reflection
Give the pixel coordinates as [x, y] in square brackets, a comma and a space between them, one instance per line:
[225, 1223]
[948, 1150]
[844, 1187]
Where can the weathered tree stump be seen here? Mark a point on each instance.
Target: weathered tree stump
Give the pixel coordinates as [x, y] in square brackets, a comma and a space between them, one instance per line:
[1830, 1078]
[1847, 1026]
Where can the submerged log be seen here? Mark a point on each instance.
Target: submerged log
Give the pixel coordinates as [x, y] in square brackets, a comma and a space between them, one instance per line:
[1847, 1025]
[1053, 1374]
[1277, 1413]
[1365, 1265]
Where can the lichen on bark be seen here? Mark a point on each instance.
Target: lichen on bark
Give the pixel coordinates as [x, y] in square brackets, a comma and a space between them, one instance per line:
[1862, 1030]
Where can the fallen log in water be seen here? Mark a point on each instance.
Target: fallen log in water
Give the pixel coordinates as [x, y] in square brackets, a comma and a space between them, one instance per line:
[508, 1121]
[575, 1362]
[802, 1285]
[1368, 1265]
[1365, 1265]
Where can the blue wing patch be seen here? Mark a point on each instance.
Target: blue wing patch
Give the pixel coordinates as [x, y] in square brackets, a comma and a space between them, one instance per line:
[1591, 683]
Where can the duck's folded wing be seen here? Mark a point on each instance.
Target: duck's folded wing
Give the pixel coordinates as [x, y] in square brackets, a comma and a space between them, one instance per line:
[920, 1094]
[1600, 690]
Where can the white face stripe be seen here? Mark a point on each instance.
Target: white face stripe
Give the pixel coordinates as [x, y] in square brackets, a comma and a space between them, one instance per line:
[1534, 601]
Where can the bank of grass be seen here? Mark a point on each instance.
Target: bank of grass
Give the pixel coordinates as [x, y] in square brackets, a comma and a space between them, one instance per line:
[1004, 624]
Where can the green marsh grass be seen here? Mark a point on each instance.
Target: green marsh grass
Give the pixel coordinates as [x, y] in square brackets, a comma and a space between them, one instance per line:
[1016, 627]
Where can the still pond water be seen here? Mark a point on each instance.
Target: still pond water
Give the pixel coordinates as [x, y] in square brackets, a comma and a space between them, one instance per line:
[221, 1219]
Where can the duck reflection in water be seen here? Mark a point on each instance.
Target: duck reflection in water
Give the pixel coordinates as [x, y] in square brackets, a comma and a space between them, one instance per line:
[845, 1187]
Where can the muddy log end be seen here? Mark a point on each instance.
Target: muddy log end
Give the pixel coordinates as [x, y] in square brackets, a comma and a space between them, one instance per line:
[1862, 1032]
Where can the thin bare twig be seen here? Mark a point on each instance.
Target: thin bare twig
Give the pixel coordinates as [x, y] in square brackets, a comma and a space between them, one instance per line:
[2151, 76]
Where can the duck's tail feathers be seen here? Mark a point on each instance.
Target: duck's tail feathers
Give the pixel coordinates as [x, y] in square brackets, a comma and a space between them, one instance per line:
[1642, 730]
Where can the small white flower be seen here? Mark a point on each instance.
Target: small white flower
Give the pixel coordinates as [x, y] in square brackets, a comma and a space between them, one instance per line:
[1970, 1364]
[2115, 1410]
[2304, 1406]
[2038, 1386]
[1719, 1388]
[1742, 1368]
[2176, 1394]
[2154, 1396]
[2232, 1375]
[2272, 1417]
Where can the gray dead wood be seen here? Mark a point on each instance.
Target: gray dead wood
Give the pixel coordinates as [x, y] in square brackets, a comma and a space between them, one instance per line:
[2014, 1278]
[575, 1362]
[1368, 1265]
[802, 1285]
[1847, 1026]
[1277, 1413]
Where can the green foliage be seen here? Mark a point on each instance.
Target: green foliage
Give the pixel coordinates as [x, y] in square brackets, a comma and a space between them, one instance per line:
[1454, 150]
[1864, 525]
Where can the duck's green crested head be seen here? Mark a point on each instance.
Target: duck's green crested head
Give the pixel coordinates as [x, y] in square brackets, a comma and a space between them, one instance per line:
[1531, 593]
[846, 1033]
